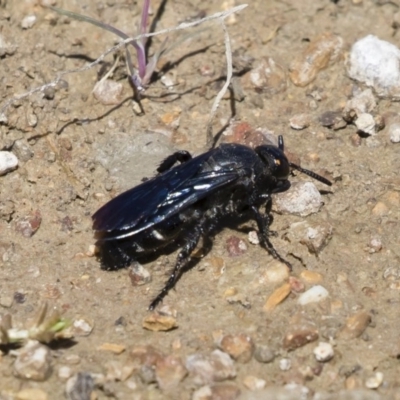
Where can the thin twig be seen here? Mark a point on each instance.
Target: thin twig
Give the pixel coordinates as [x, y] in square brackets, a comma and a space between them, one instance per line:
[221, 93]
[184, 25]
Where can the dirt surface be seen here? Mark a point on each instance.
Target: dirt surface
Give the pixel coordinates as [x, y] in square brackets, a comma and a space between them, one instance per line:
[76, 153]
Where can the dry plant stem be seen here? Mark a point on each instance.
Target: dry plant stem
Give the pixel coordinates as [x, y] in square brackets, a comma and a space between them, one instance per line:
[184, 25]
[221, 93]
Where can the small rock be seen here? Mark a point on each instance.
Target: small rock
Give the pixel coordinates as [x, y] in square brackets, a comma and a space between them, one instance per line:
[170, 371]
[29, 224]
[268, 77]
[8, 162]
[375, 245]
[285, 364]
[112, 347]
[64, 372]
[6, 49]
[31, 394]
[380, 209]
[157, 322]
[314, 237]
[253, 383]
[28, 22]
[302, 199]
[296, 286]
[33, 362]
[239, 347]
[323, 352]
[138, 274]
[116, 371]
[333, 120]
[300, 121]
[276, 272]
[315, 294]
[6, 301]
[277, 297]
[375, 62]
[362, 102]
[82, 327]
[355, 325]
[204, 393]
[264, 354]
[80, 386]
[22, 150]
[299, 337]
[366, 123]
[224, 391]
[108, 92]
[215, 368]
[321, 52]
[311, 277]
[394, 132]
[253, 237]
[235, 246]
[374, 381]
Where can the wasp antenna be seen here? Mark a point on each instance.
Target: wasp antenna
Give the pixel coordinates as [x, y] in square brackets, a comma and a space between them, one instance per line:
[312, 174]
[281, 146]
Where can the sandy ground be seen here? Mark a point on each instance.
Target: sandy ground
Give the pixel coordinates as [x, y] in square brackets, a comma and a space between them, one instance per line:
[75, 153]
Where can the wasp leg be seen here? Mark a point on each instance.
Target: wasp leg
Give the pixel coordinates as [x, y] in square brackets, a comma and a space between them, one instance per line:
[263, 222]
[182, 156]
[181, 262]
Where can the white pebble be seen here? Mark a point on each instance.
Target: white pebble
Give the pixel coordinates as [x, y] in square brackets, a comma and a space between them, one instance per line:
[374, 381]
[394, 132]
[285, 364]
[302, 199]
[375, 62]
[323, 352]
[313, 295]
[28, 21]
[8, 162]
[253, 237]
[366, 123]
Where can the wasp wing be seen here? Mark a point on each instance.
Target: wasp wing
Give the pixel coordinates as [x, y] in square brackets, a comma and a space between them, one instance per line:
[155, 200]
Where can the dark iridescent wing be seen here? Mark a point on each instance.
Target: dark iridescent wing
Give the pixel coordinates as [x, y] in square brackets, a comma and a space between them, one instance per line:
[159, 198]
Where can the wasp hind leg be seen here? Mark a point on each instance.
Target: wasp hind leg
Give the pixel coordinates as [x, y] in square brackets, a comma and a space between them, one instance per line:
[182, 156]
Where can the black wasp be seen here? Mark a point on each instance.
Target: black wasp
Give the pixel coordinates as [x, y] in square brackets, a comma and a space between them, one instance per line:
[185, 202]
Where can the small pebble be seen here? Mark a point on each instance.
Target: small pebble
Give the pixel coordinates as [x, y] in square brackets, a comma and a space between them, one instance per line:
[333, 120]
[64, 372]
[170, 371]
[264, 354]
[300, 121]
[217, 367]
[116, 371]
[285, 364]
[268, 77]
[29, 224]
[277, 297]
[31, 394]
[296, 285]
[374, 381]
[276, 272]
[355, 325]
[253, 383]
[366, 123]
[323, 352]
[321, 52]
[28, 21]
[33, 362]
[138, 274]
[315, 294]
[82, 327]
[302, 199]
[394, 132]
[253, 237]
[299, 337]
[375, 62]
[235, 246]
[311, 277]
[8, 162]
[224, 391]
[157, 322]
[239, 347]
[380, 209]
[108, 92]
[80, 386]
[112, 347]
